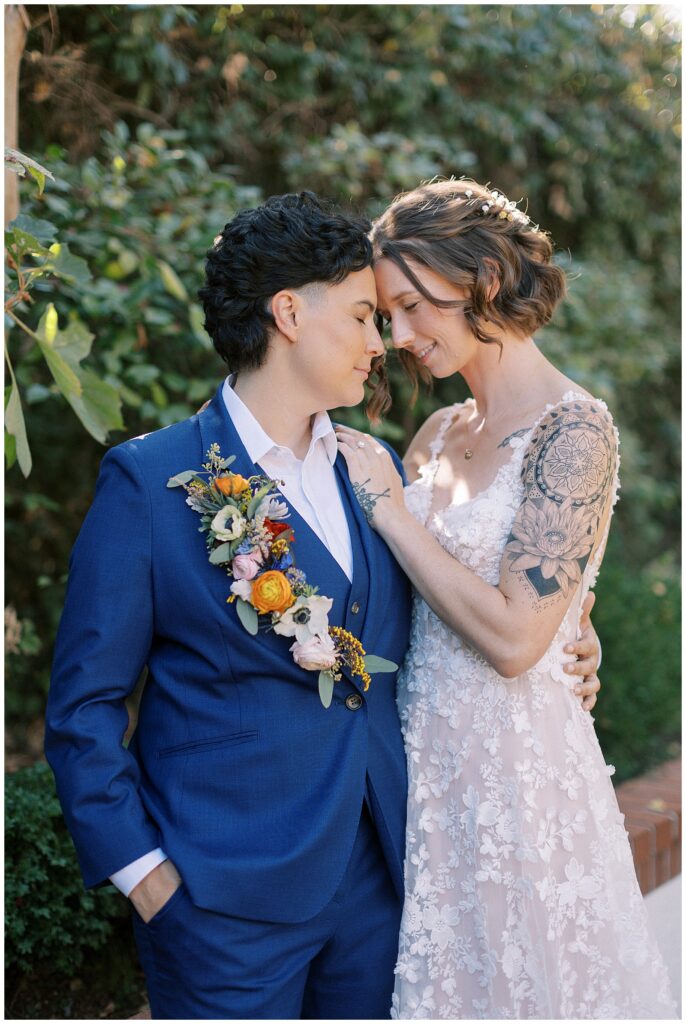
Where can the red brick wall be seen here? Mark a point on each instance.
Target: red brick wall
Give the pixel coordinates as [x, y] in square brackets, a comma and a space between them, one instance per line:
[651, 806]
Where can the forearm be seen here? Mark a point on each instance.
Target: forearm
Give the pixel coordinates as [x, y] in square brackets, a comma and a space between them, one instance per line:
[479, 612]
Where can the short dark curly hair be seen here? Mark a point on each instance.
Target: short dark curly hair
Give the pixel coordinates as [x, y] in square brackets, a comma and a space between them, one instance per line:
[290, 241]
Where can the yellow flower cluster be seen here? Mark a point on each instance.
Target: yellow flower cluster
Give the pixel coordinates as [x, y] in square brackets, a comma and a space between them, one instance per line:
[352, 652]
[279, 548]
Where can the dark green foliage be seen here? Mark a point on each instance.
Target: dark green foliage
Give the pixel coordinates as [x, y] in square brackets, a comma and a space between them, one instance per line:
[56, 931]
[638, 615]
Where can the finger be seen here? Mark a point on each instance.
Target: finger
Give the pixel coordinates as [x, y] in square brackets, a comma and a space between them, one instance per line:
[589, 702]
[582, 667]
[586, 609]
[587, 687]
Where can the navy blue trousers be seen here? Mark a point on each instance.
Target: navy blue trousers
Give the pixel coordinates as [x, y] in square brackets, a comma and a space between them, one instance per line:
[203, 965]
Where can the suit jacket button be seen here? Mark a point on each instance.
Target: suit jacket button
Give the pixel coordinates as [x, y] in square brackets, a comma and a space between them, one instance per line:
[355, 607]
[353, 701]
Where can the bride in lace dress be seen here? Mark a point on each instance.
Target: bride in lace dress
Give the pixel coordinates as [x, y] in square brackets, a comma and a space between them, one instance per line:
[521, 895]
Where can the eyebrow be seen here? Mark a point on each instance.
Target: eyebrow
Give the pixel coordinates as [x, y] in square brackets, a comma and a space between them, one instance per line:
[365, 302]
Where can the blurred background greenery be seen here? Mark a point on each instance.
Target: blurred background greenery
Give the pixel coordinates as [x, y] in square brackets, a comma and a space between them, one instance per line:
[159, 122]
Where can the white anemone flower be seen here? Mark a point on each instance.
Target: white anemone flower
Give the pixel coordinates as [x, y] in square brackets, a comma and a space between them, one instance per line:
[307, 617]
[228, 524]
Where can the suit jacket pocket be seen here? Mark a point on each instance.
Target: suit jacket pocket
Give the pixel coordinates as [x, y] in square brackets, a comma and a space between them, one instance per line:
[210, 743]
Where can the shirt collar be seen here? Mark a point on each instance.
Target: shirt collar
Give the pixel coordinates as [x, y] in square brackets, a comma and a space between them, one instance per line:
[255, 438]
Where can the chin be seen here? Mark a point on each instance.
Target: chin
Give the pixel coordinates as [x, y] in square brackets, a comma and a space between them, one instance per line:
[352, 396]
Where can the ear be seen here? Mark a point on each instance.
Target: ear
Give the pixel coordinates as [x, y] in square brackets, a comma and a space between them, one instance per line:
[286, 308]
[494, 284]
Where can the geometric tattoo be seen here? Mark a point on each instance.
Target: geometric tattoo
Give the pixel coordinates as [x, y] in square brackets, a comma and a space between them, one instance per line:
[517, 433]
[368, 499]
[568, 475]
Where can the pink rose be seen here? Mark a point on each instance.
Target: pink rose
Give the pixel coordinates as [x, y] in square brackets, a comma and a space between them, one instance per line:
[245, 567]
[316, 654]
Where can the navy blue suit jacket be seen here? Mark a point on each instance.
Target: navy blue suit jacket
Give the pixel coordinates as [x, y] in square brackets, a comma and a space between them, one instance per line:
[249, 785]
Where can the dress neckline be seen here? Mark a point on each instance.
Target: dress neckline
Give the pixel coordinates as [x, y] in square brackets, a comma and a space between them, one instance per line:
[516, 443]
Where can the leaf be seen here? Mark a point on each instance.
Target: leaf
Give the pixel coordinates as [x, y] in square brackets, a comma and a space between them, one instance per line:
[248, 616]
[10, 449]
[15, 157]
[43, 230]
[22, 242]
[326, 688]
[66, 265]
[95, 402]
[257, 498]
[66, 378]
[221, 554]
[16, 427]
[39, 177]
[98, 406]
[373, 663]
[196, 317]
[172, 282]
[181, 478]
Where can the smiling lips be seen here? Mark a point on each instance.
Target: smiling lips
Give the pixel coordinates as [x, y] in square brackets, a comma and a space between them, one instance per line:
[425, 352]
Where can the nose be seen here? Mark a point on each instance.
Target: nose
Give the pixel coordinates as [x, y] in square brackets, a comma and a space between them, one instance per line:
[402, 334]
[375, 345]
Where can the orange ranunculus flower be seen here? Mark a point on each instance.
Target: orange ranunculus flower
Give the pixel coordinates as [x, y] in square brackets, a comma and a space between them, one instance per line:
[231, 485]
[271, 592]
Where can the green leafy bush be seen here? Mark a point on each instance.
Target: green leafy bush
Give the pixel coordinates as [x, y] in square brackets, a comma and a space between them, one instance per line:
[56, 931]
[638, 615]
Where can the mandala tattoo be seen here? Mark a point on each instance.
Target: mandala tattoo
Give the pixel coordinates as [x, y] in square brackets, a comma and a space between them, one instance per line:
[368, 499]
[517, 433]
[568, 476]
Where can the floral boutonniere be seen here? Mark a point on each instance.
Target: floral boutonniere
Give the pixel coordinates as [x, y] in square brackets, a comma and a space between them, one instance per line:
[246, 535]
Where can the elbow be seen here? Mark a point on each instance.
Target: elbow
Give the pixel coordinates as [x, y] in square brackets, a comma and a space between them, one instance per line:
[514, 659]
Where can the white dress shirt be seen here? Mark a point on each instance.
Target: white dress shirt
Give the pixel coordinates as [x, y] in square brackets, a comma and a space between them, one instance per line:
[310, 486]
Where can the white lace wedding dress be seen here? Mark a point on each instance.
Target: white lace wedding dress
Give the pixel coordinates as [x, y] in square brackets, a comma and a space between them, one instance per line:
[521, 896]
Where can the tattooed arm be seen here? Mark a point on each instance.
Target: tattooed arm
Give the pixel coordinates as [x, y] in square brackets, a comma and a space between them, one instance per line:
[568, 476]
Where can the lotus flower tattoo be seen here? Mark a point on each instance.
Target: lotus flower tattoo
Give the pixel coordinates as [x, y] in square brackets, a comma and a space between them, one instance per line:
[555, 539]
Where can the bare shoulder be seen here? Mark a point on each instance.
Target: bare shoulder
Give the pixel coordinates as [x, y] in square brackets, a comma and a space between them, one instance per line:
[572, 453]
[418, 452]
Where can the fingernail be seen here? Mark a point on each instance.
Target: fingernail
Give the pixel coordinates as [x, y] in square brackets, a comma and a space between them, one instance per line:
[569, 649]
[577, 689]
[568, 667]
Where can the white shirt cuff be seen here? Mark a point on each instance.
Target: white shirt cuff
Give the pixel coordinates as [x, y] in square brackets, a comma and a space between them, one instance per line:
[128, 878]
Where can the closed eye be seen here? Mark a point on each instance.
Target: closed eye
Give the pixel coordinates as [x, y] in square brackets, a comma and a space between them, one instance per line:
[413, 305]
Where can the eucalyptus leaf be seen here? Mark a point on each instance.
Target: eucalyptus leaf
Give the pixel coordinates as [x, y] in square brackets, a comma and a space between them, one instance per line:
[257, 498]
[181, 478]
[373, 663]
[326, 688]
[221, 554]
[248, 616]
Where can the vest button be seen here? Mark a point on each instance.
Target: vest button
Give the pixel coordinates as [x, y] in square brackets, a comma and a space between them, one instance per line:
[355, 607]
[353, 701]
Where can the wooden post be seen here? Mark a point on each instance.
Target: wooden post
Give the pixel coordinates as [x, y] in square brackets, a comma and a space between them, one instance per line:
[16, 27]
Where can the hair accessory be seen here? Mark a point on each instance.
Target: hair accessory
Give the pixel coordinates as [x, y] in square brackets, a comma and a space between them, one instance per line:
[505, 208]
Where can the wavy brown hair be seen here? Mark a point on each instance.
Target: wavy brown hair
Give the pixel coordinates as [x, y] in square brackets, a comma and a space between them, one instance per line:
[442, 225]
